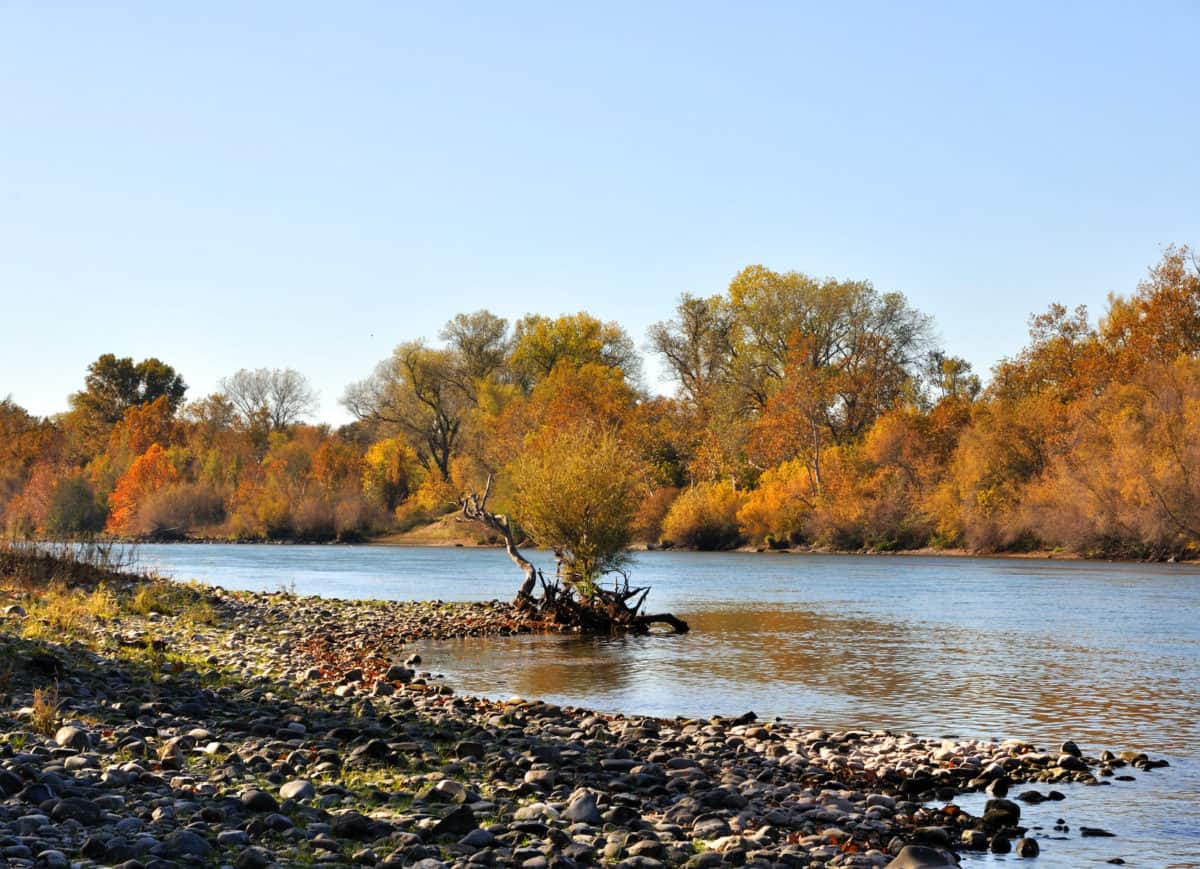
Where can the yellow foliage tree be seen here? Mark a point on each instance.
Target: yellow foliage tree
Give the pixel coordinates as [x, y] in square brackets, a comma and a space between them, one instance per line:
[705, 516]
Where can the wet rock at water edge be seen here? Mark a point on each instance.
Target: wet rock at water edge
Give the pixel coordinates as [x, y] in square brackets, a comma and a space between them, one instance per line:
[1071, 763]
[397, 673]
[998, 813]
[922, 857]
[1027, 847]
[974, 840]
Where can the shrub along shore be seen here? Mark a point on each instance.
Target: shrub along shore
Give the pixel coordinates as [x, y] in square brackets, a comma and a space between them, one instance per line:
[156, 724]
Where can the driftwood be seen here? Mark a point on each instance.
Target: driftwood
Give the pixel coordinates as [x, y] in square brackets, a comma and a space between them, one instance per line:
[597, 610]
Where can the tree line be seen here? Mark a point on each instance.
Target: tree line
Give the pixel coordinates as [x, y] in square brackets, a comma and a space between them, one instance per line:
[806, 412]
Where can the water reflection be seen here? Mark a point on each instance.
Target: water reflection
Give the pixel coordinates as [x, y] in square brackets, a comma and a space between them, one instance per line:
[835, 671]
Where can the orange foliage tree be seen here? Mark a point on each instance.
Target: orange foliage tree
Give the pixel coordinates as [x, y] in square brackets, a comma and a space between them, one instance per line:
[150, 471]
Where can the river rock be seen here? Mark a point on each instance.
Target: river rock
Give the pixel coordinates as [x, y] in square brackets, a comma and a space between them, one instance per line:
[186, 842]
[458, 822]
[398, 673]
[10, 783]
[73, 737]
[253, 857]
[352, 825]
[1071, 762]
[256, 800]
[52, 859]
[922, 857]
[583, 808]
[469, 748]
[1000, 813]
[542, 778]
[297, 789]
[1027, 847]
[84, 811]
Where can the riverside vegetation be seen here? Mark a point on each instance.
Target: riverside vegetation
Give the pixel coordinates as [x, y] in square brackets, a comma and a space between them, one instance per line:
[807, 412]
[146, 723]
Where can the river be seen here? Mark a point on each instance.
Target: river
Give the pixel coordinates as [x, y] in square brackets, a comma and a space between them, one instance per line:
[1107, 655]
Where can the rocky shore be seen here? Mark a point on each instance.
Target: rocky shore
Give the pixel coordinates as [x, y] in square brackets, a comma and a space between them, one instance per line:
[253, 730]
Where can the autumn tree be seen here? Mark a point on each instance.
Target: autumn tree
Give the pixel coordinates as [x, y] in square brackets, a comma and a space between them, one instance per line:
[705, 516]
[480, 344]
[113, 385]
[73, 509]
[786, 364]
[951, 377]
[390, 472]
[697, 345]
[574, 492]
[876, 341]
[541, 343]
[149, 472]
[1161, 320]
[25, 441]
[417, 392]
[141, 426]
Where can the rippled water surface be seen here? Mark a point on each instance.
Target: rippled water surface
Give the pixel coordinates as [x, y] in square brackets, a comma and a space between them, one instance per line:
[1105, 654]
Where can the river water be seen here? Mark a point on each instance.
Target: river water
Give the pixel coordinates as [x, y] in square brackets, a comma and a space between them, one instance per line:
[1107, 655]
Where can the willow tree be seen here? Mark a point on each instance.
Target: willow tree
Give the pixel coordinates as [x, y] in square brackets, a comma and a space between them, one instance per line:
[575, 493]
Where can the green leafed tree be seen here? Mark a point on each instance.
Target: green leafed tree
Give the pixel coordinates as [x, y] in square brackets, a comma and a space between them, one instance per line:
[115, 384]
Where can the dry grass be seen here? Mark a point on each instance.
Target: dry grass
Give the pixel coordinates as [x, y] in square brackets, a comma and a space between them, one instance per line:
[37, 565]
[44, 719]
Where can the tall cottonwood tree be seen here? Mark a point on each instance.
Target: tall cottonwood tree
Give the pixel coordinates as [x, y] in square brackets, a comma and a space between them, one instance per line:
[481, 346]
[115, 384]
[542, 343]
[786, 364]
[417, 390]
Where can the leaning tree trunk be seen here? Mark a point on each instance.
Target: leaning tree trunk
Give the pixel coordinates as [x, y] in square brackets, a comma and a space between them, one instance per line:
[599, 611]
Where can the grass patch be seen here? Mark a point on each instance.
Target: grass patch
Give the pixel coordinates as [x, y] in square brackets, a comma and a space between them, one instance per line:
[172, 599]
[59, 612]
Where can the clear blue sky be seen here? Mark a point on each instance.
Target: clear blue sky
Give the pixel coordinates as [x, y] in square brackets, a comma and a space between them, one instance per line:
[304, 185]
